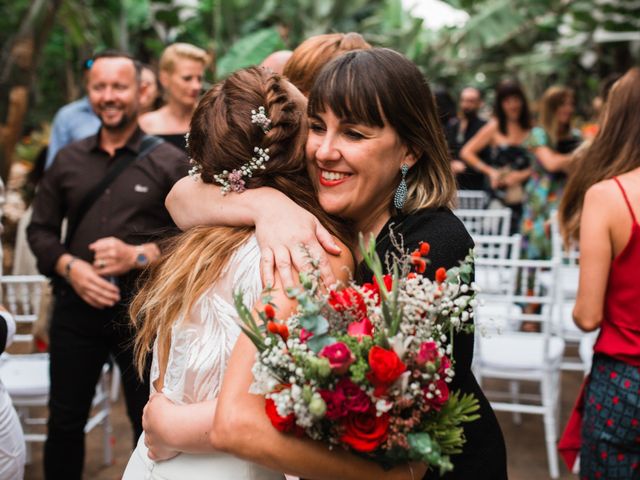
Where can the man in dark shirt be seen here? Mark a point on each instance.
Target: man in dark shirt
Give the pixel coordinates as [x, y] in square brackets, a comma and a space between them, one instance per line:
[95, 269]
[460, 132]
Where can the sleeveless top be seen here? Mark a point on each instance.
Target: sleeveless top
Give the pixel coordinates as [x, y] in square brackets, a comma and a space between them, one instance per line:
[620, 329]
[202, 341]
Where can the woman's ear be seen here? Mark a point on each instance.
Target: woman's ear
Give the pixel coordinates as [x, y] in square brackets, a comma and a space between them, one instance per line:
[410, 157]
[164, 79]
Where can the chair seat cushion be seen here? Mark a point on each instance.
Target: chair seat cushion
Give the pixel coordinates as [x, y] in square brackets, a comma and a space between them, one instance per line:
[517, 350]
[25, 375]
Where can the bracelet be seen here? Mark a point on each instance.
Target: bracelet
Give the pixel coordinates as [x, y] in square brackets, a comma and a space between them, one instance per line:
[411, 471]
[67, 269]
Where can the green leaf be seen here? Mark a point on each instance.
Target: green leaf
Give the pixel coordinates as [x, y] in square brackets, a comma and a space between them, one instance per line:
[249, 50]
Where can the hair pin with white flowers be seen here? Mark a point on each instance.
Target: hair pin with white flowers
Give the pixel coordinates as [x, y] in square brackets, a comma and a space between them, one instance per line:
[260, 118]
[232, 181]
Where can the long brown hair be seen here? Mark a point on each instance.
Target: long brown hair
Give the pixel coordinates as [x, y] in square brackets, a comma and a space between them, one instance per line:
[552, 99]
[314, 53]
[222, 137]
[615, 150]
[379, 86]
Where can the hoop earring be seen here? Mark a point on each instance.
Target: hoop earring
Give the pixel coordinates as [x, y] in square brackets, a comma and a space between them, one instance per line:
[400, 196]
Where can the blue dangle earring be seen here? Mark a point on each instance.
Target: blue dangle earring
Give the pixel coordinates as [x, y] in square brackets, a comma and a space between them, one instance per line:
[400, 197]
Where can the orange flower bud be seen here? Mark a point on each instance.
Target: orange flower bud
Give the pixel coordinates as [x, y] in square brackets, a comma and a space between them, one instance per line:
[272, 327]
[441, 275]
[425, 248]
[416, 253]
[283, 331]
[411, 275]
[269, 311]
[419, 263]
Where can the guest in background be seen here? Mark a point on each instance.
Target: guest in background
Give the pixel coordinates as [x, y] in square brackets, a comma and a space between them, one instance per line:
[506, 133]
[12, 447]
[72, 122]
[150, 98]
[601, 207]
[276, 61]
[314, 53]
[182, 67]
[460, 131]
[551, 143]
[96, 269]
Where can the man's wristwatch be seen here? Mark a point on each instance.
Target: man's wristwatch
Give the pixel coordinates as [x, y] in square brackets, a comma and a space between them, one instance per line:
[67, 269]
[141, 258]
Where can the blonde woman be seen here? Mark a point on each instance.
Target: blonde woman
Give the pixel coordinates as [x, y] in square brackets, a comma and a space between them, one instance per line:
[181, 73]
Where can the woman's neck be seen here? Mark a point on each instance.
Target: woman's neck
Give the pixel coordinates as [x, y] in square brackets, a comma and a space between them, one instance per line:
[180, 112]
[371, 227]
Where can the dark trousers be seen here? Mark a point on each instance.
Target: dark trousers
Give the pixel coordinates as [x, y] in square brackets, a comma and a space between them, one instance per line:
[82, 338]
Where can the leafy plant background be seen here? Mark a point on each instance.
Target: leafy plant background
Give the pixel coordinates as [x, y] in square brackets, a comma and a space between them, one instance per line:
[540, 42]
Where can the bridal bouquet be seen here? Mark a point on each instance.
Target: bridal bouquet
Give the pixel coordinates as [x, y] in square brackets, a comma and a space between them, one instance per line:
[368, 367]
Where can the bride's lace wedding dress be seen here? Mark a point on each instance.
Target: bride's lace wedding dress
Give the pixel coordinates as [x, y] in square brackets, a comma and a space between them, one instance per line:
[201, 344]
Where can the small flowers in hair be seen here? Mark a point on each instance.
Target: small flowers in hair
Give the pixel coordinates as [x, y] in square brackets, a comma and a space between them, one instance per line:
[260, 118]
[233, 181]
[195, 169]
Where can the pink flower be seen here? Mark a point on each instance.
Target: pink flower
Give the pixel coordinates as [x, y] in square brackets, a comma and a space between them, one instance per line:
[335, 404]
[428, 353]
[360, 329]
[355, 399]
[305, 335]
[339, 356]
[445, 364]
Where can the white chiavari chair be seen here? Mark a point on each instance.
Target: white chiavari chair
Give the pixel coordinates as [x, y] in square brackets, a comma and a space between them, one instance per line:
[513, 356]
[26, 375]
[486, 222]
[472, 199]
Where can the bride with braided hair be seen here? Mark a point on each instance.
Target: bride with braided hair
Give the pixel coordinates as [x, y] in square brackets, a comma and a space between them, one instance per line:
[248, 131]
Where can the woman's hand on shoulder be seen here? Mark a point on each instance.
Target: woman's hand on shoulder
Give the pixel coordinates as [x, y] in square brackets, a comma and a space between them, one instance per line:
[288, 235]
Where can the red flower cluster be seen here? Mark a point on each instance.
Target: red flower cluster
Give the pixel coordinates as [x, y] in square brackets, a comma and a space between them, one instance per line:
[346, 398]
[348, 300]
[374, 288]
[339, 356]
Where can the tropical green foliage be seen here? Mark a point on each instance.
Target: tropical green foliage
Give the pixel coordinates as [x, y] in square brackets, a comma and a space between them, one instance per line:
[539, 41]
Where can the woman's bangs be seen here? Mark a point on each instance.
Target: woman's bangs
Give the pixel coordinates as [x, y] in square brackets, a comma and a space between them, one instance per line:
[351, 95]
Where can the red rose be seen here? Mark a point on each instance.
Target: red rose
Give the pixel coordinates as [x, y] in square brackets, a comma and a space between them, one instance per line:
[374, 288]
[385, 365]
[355, 399]
[282, 424]
[335, 404]
[339, 356]
[360, 329]
[365, 432]
[428, 353]
[348, 300]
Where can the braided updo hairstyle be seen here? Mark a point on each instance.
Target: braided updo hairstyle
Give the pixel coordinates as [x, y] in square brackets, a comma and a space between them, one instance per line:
[222, 137]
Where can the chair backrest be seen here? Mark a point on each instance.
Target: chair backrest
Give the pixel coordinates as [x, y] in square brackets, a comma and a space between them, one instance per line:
[22, 296]
[566, 256]
[472, 199]
[486, 222]
[529, 297]
[497, 246]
